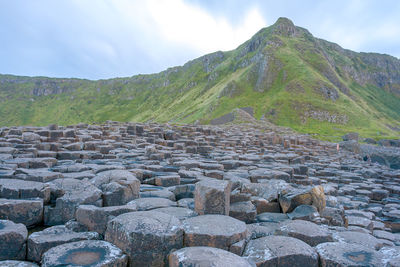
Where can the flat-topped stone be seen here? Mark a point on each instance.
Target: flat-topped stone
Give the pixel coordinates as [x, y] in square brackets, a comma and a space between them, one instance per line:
[206, 256]
[40, 242]
[306, 231]
[280, 251]
[218, 231]
[212, 197]
[13, 263]
[150, 203]
[18, 189]
[85, 253]
[147, 237]
[28, 212]
[344, 254]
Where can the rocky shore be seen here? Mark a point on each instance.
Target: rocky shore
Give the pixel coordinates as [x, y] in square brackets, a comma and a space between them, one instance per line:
[125, 194]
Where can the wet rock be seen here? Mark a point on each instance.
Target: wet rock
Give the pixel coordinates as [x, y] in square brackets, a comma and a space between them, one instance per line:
[12, 240]
[342, 254]
[147, 237]
[218, 231]
[85, 253]
[212, 197]
[96, 218]
[118, 186]
[280, 251]
[28, 212]
[206, 256]
[40, 242]
[306, 231]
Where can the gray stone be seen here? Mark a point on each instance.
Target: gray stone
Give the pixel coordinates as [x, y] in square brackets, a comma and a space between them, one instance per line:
[342, 254]
[363, 239]
[212, 197]
[96, 218]
[308, 232]
[218, 231]
[206, 256]
[85, 253]
[12, 240]
[244, 211]
[12, 263]
[151, 203]
[118, 186]
[40, 242]
[28, 212]
[18, 189]
[178, 212]
[70, 193]
[280, 251]
[147, 237]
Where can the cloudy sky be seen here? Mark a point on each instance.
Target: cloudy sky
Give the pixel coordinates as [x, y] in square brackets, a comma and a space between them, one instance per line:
[97, 39]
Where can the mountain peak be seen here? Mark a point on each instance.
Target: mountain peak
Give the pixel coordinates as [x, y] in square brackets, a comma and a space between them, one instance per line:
[284, 26]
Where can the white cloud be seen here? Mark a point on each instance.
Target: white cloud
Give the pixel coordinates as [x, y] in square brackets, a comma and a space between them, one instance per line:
[187, 24]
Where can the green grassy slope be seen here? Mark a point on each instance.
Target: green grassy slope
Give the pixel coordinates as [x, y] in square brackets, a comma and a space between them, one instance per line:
[285, 74]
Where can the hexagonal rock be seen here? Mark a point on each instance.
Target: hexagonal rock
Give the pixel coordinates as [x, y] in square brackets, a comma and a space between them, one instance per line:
[244, 211]
[391, 256]
[303, 196]
[306, 231]
[150, 203]
[218, 231]
[178, 212]
[96, 218]
[262, 174]
[12, 240]
[11, 263]
[363, 239]
[280, 251]
[40, 242]
[147, 237]
[118, 186]
[212, 197]
[85, 253]
[342, 254]
[73, 193]
[206, 256]
[28, 212]
[18, 189]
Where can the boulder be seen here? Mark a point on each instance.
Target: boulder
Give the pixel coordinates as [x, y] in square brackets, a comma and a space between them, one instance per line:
[206, 256]
[40, 242]
[85, 253]
[218, 231]
[212, 197]
[147, 237]
[12, 240]
[280, 251]
[303, 196]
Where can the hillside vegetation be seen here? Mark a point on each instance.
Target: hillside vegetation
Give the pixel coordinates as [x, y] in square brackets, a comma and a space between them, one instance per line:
[282, 74]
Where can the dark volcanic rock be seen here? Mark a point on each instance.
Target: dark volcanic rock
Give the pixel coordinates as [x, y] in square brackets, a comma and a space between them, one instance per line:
[147, 237]
[85, 253]
[280, 251]
[12, 240]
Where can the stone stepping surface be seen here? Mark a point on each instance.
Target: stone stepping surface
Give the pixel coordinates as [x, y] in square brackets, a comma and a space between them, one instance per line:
[85, 253]
[147, 194]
